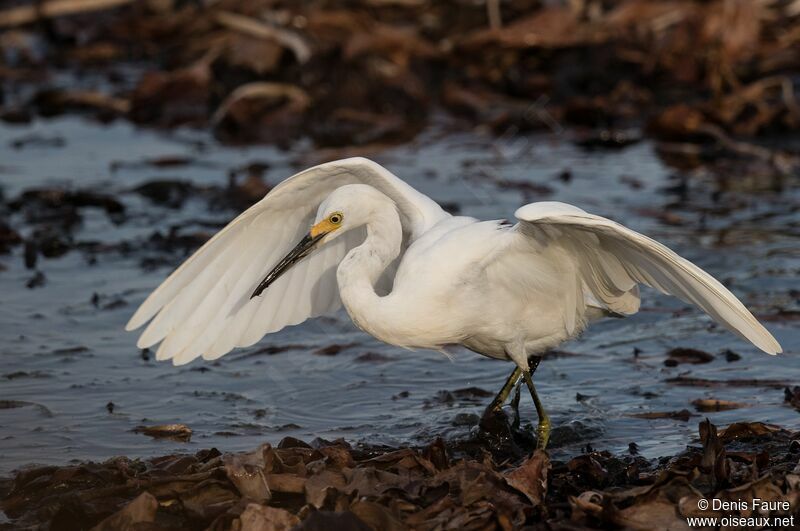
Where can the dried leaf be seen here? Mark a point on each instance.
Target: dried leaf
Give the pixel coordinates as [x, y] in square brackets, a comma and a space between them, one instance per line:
[377, 516]
[255, 28]
[714, 459]
[656, 514]
[261, 111]
[327, 520]
[588, 503]
[338, 456]
[25, 14]
[743, 430]
[587, 468]
[553, 27]
[246, 471]
[176, 432]
[173, 98]
[530, 478]
[260, 518]
[140, 511]
[319, 487]
[208, 499]
[286, 483]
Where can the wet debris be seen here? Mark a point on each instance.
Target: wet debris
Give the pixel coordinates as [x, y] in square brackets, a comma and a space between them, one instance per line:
[174, 432]
[332, 485]
[731, 356]
[170, 99]
[167, 192]
[14, 404]
[748, 431]
[373, 357]
[706, 77]
[528, 189]
[607, 139]
[691, 381]
[43, 204]
[142, 510]
[678, 356]
[107, 302]
[72, 351]
[9, 238]
[48, 221]
[164, 161]
[246, 186]
[38, 280]
[25, 374]
[713, 404]
[24, 14]
[51, 216]
[334, 349]
[467, 395]
[682, 415]
[782, 316]
[56, 101]
[261, 112]
[38, 141]
[792, 396]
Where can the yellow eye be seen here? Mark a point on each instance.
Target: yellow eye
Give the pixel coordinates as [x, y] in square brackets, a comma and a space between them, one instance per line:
[336, 218]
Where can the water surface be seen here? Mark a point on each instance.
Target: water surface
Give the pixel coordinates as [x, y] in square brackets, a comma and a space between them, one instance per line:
[65, 355]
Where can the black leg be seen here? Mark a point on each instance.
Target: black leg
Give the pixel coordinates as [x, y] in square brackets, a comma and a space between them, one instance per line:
[501, 397]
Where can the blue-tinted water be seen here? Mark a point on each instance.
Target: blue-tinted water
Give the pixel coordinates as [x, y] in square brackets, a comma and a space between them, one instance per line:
[65, 357]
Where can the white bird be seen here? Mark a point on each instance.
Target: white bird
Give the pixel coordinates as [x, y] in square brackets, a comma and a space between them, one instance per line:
[412, 275]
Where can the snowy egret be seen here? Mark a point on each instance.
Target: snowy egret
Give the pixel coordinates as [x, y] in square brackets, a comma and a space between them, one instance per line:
[414, 276]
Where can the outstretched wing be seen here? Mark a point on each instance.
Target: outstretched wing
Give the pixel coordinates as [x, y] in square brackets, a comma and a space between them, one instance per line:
[204, 306]
[613, 259]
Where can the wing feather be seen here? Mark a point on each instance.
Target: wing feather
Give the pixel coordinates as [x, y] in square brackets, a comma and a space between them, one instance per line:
[203, 308]
[219, 335]
[615, 258]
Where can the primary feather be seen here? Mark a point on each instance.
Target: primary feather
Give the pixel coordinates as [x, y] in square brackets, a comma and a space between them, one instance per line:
[614, 258]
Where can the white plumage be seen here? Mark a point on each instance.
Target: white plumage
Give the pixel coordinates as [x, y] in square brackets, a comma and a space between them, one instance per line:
[414, 276]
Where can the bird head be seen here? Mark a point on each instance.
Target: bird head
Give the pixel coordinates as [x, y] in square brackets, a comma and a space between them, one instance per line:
[346, 208]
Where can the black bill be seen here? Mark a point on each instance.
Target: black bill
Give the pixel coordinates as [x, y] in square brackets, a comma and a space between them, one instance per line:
[300, 251]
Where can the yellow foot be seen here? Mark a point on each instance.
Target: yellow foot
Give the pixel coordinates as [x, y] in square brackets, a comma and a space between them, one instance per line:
[543, 433]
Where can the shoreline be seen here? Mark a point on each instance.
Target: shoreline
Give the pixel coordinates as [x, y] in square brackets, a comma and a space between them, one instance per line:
[484, 484]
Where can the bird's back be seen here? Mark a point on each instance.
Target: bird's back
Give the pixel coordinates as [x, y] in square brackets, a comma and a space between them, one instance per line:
[469, 282]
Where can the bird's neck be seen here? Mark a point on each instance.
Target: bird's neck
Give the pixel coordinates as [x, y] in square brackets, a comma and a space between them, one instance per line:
[363, 266]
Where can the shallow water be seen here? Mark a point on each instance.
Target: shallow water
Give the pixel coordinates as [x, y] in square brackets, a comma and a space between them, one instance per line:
[65, 357]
